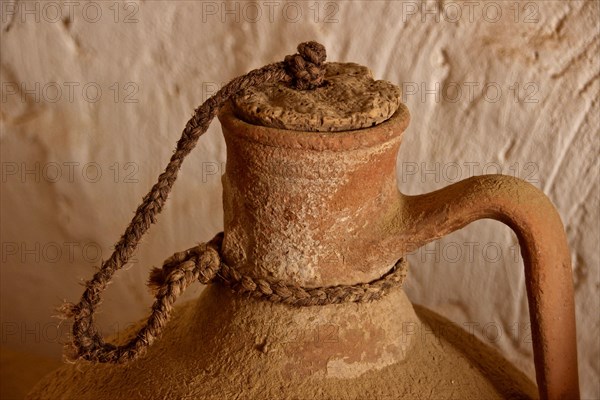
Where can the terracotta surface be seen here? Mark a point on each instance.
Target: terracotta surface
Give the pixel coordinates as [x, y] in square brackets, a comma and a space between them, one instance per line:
[321, 209]
[308, 207]
[222, 346]
[548, 272]
[543, 56]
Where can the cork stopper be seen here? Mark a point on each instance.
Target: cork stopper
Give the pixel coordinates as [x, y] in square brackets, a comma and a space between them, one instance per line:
[350, 99]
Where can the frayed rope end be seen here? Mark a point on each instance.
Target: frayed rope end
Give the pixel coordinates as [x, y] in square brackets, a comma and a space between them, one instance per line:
[70, 353]
[66, 310]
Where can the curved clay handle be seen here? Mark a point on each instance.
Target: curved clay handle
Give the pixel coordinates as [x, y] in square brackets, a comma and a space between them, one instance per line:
[548, 274]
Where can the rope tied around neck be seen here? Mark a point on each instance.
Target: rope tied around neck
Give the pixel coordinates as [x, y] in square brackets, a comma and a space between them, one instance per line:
[303, 71]
[204, 264]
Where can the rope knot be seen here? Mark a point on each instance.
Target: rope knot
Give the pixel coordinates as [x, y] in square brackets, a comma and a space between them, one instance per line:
[307, 67]
[201, 262]
[208, 264]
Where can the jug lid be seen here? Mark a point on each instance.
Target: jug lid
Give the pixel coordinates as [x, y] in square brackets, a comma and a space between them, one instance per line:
[349, 99]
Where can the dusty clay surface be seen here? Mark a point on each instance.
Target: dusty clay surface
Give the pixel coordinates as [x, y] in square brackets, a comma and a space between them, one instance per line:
[351, 99]
[543, 128]
[322, 209]
[226, 347]
[309, 207]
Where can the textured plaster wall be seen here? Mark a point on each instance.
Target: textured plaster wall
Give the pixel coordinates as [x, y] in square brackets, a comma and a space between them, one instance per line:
[94, 96]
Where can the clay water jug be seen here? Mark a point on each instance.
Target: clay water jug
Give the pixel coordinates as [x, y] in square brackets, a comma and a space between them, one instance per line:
[312, 211]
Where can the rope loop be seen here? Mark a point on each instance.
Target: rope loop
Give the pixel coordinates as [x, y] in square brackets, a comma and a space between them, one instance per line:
[202, 263]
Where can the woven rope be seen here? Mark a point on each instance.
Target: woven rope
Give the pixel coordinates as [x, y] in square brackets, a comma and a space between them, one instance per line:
[304, 70]
[210, 268]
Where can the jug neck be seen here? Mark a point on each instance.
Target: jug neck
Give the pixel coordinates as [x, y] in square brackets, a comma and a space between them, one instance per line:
[309, 208]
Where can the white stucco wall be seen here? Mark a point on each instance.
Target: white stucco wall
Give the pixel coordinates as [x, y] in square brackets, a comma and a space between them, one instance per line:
[92, 105]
